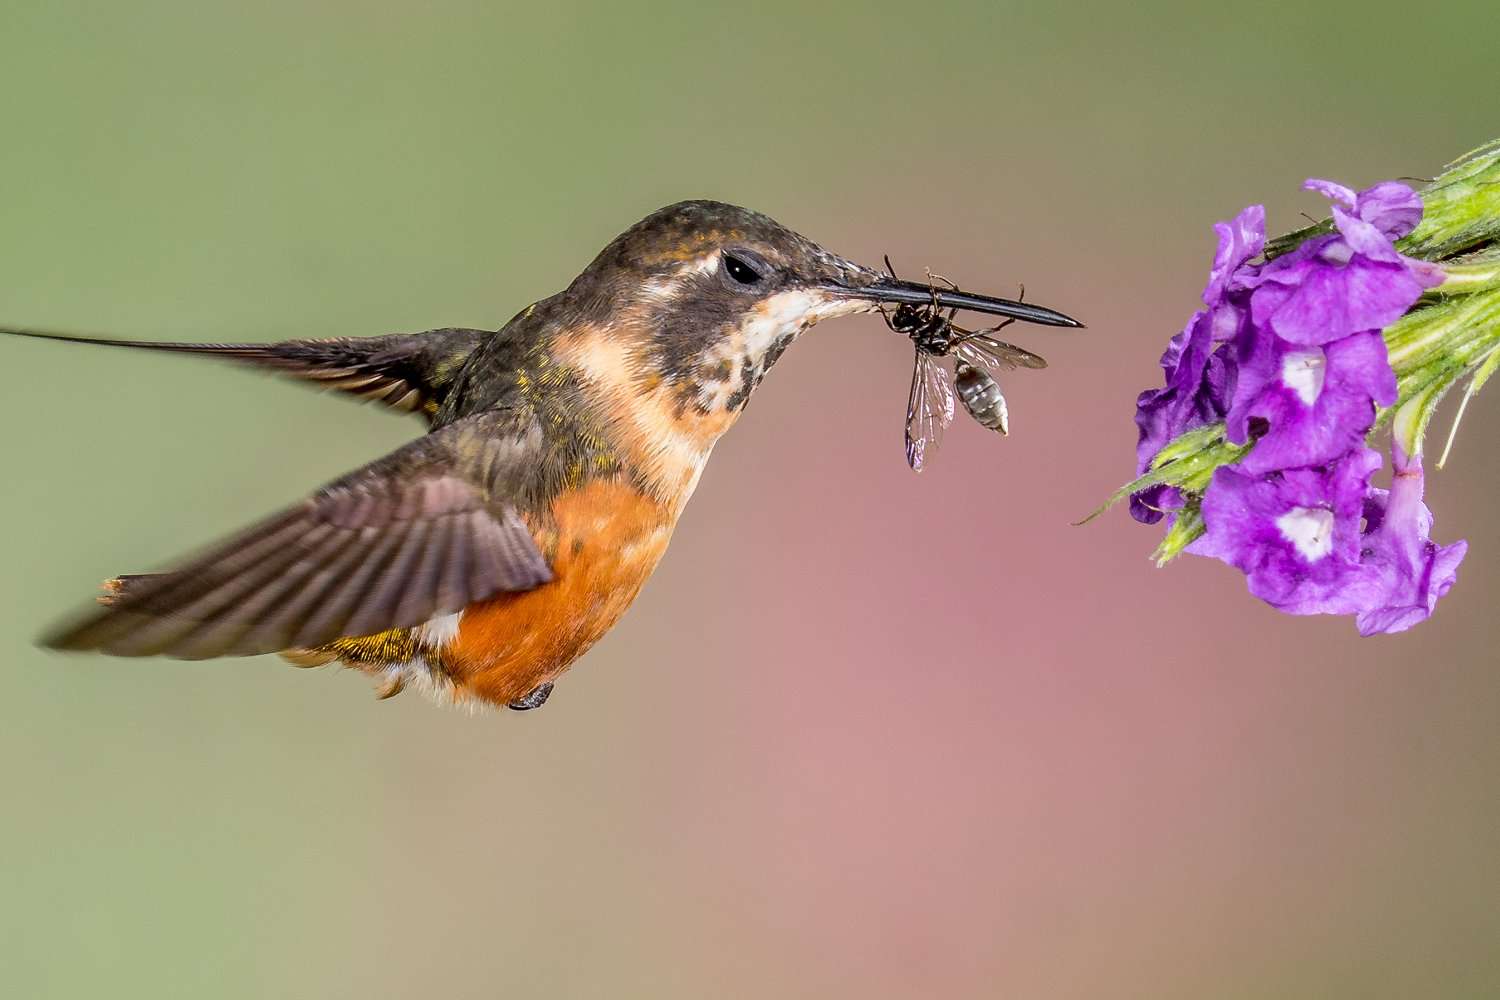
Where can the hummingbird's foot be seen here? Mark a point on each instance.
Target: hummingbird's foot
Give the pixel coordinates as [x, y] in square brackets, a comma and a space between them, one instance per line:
[393, 685]
[536, 699]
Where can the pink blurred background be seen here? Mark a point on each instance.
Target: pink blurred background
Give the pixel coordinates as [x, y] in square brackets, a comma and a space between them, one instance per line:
[866, 733]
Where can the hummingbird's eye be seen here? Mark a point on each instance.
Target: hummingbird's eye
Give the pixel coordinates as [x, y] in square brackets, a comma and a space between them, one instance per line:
[741, 270]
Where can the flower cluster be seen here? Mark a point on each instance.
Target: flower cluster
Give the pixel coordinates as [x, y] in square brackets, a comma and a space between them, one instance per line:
[1288, 355]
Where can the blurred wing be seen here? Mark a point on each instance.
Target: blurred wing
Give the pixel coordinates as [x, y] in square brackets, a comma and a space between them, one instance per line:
[988, 354]
[402, 374]
[410, 373]
[421, 533]
[929, 409]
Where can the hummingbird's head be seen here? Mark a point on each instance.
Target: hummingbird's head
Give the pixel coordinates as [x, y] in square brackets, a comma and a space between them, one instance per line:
[676, 322]
[714, 293]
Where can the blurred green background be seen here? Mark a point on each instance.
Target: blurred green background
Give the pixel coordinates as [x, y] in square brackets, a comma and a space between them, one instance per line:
[864, 734]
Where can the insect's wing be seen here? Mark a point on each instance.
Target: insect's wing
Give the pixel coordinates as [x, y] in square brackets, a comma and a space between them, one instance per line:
[994, 356]
[929, 409]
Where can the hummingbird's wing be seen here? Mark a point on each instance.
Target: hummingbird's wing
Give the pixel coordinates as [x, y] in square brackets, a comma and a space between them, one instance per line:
[418, 534]
[410, 372]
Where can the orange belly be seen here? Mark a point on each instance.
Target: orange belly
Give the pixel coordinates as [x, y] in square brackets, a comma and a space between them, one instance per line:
[604, 540]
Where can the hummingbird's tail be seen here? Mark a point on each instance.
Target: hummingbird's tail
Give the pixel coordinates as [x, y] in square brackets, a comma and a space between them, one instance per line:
[407, 372]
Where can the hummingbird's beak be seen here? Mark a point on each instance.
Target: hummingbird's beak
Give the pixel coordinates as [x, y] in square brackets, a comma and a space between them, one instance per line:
[898, 292]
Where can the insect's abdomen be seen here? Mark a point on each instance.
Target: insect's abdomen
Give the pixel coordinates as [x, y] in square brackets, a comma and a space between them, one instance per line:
[981, 396]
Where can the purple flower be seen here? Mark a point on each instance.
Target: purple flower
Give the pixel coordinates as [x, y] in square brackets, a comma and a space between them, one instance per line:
[1199, 372]
[1155, 502]
[1240, 239]
[1346, 282]
[1391, 207]
[1199, 382]
[1402, 571]
[1297, 537]
[1289, 354]
[1294, 534]
[1317, 403]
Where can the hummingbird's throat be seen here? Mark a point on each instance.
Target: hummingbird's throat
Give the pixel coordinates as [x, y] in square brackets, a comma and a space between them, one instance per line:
[666, 410]
[733, 364]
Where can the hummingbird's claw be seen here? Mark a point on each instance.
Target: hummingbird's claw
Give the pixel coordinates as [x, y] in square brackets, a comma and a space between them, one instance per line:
[535, 699]
[394, 684]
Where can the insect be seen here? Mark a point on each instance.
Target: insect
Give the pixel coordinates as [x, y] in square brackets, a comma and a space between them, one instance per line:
[978, 357]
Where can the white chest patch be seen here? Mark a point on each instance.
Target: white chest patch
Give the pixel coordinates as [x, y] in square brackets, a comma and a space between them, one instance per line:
[438, 632]
[1309, 529]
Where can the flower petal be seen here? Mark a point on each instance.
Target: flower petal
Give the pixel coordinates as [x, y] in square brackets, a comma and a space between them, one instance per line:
[1295, 534]
[1403, 573]
[1240, 238]
[1317, 403]
[1391, 207]
[1328, 302]
[1330, 190]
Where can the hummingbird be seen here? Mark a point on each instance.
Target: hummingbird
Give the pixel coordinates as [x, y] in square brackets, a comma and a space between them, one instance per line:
[479, 561]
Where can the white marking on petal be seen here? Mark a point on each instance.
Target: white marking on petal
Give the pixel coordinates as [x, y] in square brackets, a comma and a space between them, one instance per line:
[1303, 372]
[1338, 252]
[1309, 529]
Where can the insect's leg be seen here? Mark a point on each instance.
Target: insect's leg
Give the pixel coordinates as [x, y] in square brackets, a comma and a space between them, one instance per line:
[996, 328]
[934, 276]
[964, 335]
[889, 268]
[1002, 325]
[931, 290]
